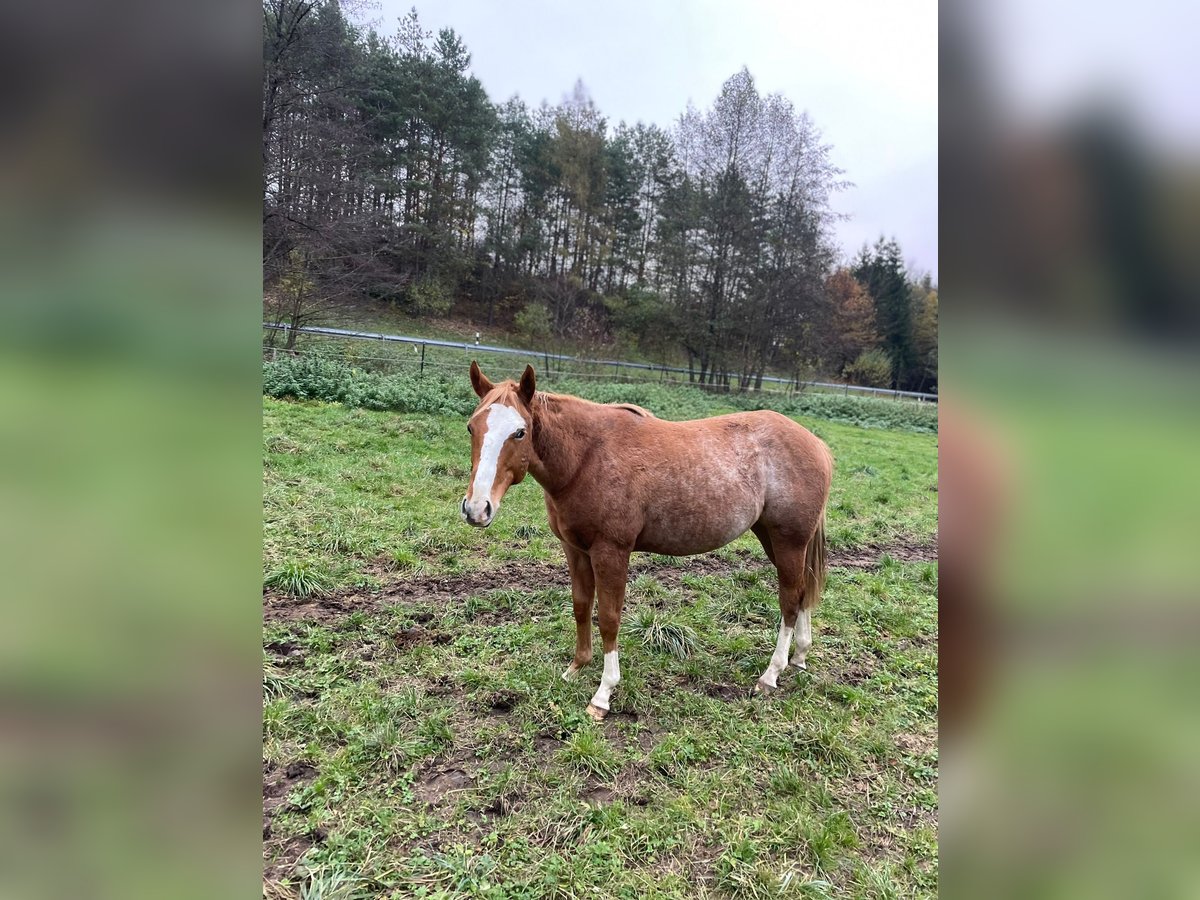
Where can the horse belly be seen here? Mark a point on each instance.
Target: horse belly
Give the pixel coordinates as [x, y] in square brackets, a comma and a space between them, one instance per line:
[681, 529]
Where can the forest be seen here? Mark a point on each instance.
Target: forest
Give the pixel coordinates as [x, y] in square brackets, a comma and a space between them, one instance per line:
[390, 176]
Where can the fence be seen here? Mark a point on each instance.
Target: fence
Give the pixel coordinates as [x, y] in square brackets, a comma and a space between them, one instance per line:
[574, 366]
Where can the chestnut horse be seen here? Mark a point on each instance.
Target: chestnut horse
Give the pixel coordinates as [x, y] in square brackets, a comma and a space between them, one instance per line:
[618, 479]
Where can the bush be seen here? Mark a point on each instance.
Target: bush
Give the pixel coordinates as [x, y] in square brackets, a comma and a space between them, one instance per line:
[332, 380]
[316, 377]
[533, 321]
[429, 297]
[308, 377]
[873, 368]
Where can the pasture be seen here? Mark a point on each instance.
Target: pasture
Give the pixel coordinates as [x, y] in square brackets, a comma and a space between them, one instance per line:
[418, 740]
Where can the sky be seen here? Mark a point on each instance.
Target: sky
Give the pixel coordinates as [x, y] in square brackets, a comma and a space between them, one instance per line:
[865, 70]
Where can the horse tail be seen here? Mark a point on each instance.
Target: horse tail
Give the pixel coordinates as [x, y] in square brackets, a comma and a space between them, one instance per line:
[814, 567]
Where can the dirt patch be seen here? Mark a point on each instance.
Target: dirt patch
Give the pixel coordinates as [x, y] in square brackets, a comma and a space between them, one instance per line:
[857, 670]
[442, 780]
[725, 692]
[916, 744]
[504, 805]
[321, 610]
[279, 782]
[597, 795]
[510, 576]
[417, 635]
[524, 576]
[907, 551]
[284, 858]
[438, 788]
[617, 718]
[546, 745]
[285, 652]
[501, 703]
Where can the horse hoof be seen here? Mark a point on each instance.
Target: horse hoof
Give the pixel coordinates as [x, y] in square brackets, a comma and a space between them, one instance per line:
[762, 688]
[800, 663]
[596, 712]
[569, 673]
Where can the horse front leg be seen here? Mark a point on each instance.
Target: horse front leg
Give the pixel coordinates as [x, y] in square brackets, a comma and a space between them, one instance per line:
[611, 568]
[583, 593]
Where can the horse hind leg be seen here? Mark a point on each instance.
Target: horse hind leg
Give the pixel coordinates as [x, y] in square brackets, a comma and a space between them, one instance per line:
[803, 638]
[764, 538]
[789, 561]
[810, 596]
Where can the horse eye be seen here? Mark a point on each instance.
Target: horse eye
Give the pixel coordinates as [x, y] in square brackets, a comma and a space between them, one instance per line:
[470, 430]
[520, 433]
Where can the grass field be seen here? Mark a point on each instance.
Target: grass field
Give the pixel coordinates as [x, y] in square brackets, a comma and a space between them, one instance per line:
[418, 740]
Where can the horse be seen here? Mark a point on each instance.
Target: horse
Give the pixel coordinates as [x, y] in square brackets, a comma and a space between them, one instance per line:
[618, 479]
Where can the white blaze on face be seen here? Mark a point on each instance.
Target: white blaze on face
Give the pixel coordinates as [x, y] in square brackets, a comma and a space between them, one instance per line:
[502, 423]
[610, 679]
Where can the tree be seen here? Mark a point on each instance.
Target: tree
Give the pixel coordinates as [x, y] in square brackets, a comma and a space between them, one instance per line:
[925, 333]
[881, 270]
[852, 319]
[388, 172]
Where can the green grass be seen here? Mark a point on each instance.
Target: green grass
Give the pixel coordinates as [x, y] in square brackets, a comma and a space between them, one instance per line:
[353, 496]
[443, 756]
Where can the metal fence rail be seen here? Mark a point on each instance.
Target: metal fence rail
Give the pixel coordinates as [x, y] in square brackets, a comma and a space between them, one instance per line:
[559, 357]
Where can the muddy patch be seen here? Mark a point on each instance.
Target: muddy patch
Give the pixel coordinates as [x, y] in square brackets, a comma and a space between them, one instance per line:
[279, 783]
[284, 858]
[285, 652]
[619, 718]
[408, 638]
[546, 745]
[501, 703]
[437, 789]
[855, 672]
[321, 610]
[869, 557]
[597, 795]
[502, 806]
[726, 692]
[916, 744]
[510, 576]
[527, 576]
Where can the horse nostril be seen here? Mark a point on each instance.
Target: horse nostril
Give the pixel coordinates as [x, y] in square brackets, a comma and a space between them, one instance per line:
[487, 508]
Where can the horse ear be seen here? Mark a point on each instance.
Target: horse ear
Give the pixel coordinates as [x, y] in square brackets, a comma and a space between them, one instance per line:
[479, 381]
[527, 386]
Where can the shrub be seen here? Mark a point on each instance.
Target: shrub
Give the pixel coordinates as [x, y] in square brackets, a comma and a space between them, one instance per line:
[873, 368]
[534, 321]
[429, 297]
[308, 377]
[316, 377]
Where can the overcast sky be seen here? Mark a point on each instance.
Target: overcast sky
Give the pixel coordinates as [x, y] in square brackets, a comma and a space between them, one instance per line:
[866, 71]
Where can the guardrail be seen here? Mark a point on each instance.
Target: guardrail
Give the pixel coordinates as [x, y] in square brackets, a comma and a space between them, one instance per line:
[559, 357]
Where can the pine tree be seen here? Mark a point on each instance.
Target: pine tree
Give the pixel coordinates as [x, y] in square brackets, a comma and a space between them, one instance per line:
[881, 271]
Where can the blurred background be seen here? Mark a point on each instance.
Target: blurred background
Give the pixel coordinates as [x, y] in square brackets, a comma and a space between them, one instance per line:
[1070, 209]
[130, 221]
[130, 460]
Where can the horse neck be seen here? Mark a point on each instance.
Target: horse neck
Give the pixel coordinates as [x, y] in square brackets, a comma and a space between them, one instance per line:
[560, 441]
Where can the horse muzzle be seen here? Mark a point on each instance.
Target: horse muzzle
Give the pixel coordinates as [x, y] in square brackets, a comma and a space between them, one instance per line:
[478, 514]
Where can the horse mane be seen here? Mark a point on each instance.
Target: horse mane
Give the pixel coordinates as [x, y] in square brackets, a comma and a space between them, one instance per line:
[548, 398]
[636, 410]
